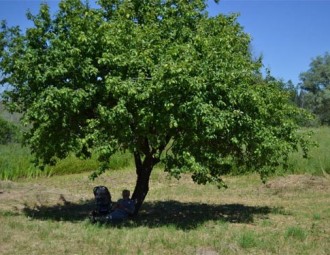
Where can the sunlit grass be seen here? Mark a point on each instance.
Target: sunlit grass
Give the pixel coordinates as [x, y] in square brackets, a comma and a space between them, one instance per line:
[178, 217]
[247, 240]
[318, 162]
[296, 232]
[16, 163]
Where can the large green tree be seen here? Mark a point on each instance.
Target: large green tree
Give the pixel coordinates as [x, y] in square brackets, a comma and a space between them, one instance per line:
[158, 78]
[315, 84]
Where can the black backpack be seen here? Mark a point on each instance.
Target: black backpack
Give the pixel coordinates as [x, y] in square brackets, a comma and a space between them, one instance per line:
[102, 200]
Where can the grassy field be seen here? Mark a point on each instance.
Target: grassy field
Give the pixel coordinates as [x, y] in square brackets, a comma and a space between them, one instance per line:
[290, 214]
[287, 215]
[318, 162]
[16, 163]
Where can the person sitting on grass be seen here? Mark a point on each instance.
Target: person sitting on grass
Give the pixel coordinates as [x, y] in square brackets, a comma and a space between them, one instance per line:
[123, 208]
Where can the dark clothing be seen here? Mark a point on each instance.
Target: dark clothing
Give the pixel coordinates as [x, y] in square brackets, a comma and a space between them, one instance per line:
[125, 207]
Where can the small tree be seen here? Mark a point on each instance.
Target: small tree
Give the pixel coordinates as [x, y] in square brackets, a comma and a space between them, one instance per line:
[160, 79]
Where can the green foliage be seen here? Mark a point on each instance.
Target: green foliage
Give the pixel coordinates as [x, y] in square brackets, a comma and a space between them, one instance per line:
[8, 132]
[139, 75]
[288, 87]
[317, 77]
[316, 83]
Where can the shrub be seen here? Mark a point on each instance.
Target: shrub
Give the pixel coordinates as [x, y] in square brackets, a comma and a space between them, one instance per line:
[8, 132]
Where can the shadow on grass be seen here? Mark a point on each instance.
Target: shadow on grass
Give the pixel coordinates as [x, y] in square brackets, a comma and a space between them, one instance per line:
[160, 213]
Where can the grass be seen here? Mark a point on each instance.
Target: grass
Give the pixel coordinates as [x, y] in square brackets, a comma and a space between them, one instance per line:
[296, 232]
[247, 240]
[318, 162]
[288, 215]
[16, 163]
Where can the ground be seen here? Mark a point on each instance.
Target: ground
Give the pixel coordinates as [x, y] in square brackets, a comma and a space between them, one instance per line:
[287, 215]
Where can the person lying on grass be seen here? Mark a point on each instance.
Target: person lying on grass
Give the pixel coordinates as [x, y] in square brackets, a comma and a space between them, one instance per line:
[123, 208]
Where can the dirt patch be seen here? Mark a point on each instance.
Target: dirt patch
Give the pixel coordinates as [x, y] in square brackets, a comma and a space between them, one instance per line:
[299, 182]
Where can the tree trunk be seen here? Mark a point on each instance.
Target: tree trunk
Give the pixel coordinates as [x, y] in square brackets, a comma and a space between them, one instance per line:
[141, 188]
[143, 171]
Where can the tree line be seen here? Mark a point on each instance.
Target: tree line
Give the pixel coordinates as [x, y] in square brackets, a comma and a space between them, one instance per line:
[313, 91]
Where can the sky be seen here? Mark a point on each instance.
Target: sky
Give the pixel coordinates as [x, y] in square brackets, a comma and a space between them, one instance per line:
[288, 34]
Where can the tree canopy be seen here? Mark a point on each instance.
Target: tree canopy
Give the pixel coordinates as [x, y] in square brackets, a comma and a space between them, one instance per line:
[316, 88]
[158, 78]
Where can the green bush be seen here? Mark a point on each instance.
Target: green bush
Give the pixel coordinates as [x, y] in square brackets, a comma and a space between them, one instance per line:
[8, 132]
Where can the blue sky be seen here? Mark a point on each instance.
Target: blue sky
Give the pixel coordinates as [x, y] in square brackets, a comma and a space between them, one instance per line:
[288, 34]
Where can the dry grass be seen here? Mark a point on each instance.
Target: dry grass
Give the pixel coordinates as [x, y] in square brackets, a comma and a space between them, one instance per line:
[288, 215]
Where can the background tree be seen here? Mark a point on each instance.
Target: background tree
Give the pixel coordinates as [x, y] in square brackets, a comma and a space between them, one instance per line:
[315, 84]
[8, 132]
[287, 87]
[160, 79]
